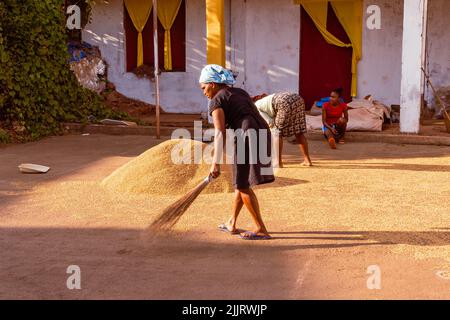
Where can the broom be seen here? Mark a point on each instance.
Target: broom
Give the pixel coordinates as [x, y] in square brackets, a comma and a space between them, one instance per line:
[170, 216]
[439, 99]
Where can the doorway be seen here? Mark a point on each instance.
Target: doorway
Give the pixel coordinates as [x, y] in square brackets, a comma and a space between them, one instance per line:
[323, 67]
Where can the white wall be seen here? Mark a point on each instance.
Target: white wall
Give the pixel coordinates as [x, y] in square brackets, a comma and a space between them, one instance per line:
[179, 90]
[379, 71]
[236, 38]
[262, 45]
[438, 44]
[263, 39]
[380, 68]
[266, 44]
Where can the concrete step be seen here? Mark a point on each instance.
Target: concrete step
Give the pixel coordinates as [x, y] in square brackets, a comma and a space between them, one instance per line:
[77, 128]
[387, 138]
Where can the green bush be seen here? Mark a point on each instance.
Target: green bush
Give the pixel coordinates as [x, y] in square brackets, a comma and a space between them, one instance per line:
[4, 136]
[37, 89]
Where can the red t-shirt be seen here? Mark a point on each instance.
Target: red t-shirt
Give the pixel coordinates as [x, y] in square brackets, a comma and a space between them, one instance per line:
[334, 112]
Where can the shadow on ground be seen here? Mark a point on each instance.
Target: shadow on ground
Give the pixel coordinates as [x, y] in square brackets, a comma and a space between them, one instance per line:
[389, 166]
[416, 238]
[281, 182]
[130, 264]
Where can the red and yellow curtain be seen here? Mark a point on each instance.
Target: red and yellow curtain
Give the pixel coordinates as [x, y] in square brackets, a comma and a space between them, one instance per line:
[167, 12]
[349, 13]
[139, 11]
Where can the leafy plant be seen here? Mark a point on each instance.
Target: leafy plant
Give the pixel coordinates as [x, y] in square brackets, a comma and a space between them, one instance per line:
[4, 136]
[37, 89]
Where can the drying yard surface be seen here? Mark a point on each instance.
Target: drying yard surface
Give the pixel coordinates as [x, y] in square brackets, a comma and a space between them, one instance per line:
[362, 205]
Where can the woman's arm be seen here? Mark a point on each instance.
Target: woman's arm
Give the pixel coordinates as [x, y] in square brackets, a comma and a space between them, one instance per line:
[219, 140]
[267, 117]
[346, 115]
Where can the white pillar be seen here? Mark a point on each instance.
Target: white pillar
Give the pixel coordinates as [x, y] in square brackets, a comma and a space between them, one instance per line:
[413, 57]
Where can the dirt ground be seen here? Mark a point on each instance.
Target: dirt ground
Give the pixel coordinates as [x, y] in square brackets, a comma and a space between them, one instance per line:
[362, 205]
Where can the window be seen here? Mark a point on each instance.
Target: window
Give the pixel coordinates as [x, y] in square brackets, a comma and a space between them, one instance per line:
[178, 42]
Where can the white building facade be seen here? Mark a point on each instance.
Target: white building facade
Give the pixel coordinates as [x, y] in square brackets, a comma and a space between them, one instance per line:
[263, 46]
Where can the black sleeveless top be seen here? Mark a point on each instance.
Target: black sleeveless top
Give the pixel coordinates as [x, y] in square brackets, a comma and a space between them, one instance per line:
[237, 105]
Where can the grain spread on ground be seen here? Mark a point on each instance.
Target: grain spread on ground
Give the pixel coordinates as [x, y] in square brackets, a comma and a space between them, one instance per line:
[156, 172]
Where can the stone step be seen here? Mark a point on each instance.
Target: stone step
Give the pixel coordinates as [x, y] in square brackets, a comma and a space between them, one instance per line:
[77, 128]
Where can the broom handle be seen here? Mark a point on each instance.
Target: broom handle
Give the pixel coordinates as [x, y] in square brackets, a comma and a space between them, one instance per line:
[442, 104]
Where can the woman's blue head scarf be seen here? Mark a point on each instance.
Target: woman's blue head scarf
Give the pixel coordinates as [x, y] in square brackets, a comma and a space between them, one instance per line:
[217, 74]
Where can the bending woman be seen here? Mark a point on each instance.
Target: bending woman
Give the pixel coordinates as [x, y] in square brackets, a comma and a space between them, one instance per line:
[234, 108]
[285, 112]
[334, 125]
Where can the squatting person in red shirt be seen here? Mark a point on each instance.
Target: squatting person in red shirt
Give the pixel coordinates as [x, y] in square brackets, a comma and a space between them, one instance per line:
[335, 118]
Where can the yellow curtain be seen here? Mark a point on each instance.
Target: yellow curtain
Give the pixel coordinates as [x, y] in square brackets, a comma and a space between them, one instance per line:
[139, 11]
[349, 14]
[215, 32]
[167, 12]
[318, 12]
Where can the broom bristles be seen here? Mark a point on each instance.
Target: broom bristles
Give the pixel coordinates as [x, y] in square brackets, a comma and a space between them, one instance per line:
[170, 216]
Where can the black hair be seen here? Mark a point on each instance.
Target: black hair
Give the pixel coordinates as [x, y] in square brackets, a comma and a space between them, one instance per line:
[339, 91]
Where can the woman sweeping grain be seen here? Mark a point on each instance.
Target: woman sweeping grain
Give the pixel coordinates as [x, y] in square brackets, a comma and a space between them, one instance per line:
[335, 119]
[234, 109]
[285, 113]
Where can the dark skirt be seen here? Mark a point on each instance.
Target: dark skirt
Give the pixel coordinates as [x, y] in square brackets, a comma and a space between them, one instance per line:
[252, 156]
[290, 116]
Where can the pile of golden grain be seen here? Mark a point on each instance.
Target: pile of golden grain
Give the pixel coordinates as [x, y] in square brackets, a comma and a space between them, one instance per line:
[158, 171]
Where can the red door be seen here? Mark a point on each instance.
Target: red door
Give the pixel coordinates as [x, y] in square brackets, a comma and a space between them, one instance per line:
[323, 67]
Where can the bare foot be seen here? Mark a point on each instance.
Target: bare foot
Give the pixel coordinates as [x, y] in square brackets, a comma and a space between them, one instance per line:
[332, 143]
[306, 164]
[229, 228]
